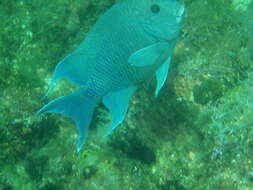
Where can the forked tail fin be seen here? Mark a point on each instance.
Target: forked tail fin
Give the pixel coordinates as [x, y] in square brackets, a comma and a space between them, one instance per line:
[78, 106]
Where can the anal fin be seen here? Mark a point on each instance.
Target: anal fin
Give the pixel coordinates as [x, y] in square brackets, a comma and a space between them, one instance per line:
[117, 103]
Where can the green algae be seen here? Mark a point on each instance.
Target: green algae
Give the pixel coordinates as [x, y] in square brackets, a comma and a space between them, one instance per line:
[209, 90]
[196, 135]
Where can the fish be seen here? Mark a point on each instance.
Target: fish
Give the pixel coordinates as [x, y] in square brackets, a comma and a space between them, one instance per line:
[131, 42]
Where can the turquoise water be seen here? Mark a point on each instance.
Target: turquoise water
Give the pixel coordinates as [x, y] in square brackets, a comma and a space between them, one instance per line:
[197, 134]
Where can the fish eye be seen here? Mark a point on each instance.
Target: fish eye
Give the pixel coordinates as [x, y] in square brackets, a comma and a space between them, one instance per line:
[155, 8]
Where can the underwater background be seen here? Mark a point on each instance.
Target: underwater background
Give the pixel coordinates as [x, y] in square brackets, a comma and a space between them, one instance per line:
[196, 135]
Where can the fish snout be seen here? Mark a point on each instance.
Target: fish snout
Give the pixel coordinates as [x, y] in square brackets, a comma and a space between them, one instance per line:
[180, 14]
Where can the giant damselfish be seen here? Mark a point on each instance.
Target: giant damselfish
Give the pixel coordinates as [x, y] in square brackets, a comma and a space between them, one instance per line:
[132, 41]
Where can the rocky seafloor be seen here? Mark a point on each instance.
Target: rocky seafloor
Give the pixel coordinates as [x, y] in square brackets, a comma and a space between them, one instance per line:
[196, 135]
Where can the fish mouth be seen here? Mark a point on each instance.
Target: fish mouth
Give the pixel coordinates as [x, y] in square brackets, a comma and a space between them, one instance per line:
[180, 14]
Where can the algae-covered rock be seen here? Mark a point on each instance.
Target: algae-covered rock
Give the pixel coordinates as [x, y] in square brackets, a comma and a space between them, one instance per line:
[207, 91]
[197, 134]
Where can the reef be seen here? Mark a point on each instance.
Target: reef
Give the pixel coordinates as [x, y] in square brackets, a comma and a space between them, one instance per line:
[197, 134]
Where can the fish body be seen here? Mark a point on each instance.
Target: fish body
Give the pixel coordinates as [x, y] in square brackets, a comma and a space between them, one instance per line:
[129, 43]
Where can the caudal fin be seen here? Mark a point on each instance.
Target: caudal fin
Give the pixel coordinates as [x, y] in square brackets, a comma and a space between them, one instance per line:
[78, 107]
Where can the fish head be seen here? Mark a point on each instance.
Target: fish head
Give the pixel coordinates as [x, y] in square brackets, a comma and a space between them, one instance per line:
[161, 19]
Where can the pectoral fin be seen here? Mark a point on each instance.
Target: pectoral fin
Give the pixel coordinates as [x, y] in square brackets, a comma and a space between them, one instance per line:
[161, 75]
[148, 55]
[117, 103]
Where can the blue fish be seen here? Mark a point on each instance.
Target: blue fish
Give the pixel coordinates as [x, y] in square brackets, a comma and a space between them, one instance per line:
[131, 42]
